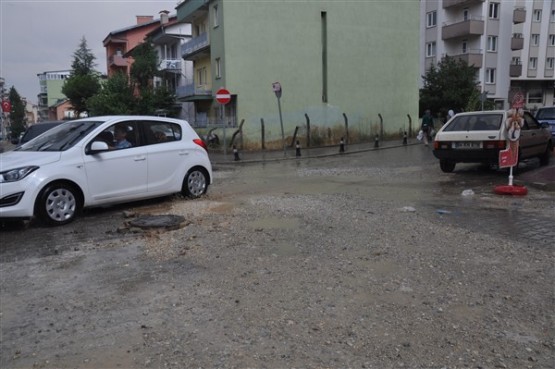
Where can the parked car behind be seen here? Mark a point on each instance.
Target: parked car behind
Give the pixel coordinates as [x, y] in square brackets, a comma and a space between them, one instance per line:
[547, 115]
[77, 164]
[37, 129]
[477, 137]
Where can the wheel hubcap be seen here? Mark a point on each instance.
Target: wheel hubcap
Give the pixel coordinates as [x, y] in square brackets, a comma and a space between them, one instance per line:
[60, 205]
[196, 183]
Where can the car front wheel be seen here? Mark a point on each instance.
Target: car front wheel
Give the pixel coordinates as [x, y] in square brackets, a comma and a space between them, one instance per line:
[58, 204]
[447, 166]
[195, 183]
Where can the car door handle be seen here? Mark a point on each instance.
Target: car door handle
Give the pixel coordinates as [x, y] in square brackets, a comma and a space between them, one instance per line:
[139, 158]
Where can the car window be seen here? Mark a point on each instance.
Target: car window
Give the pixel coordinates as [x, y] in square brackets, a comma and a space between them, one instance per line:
[530, 122]
[122, 135]
[62, 137]
[160, 132]
[546, 113]
[475, 122]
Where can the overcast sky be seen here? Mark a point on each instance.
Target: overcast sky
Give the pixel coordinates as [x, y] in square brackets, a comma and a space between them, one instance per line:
[38, 36]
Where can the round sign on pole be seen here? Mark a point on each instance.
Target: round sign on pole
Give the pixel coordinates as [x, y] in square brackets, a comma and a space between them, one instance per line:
[223, 96]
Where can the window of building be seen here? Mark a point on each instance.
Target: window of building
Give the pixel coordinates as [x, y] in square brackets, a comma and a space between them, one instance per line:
[535, 39]
[490, 75]
[494, 10]
[552, 40]
[550, 63]
[201, 76]
[535, 96]
[553, 15]
[431, 19]
[515, 60]
[430, 49]
[215, 12]
[464, 46]
[465, 14]
[492, 43]
[537, 15]
[533, 63]
[218, 68]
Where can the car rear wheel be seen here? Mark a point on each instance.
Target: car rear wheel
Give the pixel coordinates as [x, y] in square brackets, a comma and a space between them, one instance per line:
[58, 204]
[195, 183]
[447, 166]
[544, 158]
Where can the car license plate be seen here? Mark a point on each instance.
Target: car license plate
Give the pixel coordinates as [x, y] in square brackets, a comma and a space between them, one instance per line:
[465, 145]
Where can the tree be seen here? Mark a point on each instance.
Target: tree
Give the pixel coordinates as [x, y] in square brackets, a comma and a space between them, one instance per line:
[115, 97]
[449, 85]
[83, 81]
[145, 65]
[18, 118]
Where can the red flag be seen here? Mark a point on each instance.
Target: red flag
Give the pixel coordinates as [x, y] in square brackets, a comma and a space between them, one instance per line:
[6, 106]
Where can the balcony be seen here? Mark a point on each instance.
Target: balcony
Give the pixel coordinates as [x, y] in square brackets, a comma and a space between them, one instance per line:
[170, 65]
[194, 48]
[515, 70]
[190, 10]
[460, 3]
[471, 57]
[519, 15]
[466, 28]
[118, 61]
[517, 41]
[190, 92]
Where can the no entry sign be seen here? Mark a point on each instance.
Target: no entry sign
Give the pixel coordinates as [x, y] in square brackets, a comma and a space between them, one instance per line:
[223, 96]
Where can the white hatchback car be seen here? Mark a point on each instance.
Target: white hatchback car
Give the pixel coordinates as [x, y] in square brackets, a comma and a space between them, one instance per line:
[98, 161]
[477, 137]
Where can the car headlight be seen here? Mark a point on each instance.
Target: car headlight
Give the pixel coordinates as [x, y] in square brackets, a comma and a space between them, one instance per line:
[17, 174]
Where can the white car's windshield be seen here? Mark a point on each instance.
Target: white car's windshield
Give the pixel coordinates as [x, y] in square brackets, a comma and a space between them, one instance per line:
[475, 122]
[62, 137]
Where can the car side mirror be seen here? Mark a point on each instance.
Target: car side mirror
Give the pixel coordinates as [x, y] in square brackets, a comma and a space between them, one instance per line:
[544, 125]
[98, 146]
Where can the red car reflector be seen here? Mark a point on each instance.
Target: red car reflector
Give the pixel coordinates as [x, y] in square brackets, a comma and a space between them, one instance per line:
[201, 143]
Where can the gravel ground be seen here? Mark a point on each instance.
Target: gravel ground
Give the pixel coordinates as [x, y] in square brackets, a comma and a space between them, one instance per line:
[323, 268]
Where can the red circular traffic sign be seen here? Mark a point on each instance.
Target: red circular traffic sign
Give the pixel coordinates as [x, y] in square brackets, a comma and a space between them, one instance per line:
[223, 96]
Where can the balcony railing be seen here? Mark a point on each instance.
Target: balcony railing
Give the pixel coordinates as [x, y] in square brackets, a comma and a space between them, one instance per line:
[515, 70]
[196, 44]
[468, 27]
[118, 61]
[450, 3]
[517, 41]
[191, 90]
[519, 15]
[471, 57]
[187, 10]
[170, 65]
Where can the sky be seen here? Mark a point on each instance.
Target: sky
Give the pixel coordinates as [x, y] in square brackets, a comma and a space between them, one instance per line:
[38, 36]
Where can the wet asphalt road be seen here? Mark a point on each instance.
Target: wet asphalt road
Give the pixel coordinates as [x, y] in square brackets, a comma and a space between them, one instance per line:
[102, 247]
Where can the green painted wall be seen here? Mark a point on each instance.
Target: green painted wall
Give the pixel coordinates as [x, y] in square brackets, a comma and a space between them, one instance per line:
[372, 62]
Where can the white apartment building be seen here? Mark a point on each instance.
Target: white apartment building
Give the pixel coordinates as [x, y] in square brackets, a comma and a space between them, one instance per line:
[512, 42]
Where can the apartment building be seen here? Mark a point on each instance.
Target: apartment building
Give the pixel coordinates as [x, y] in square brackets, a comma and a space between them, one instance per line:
[118, 43]
[512, 42]
[51, 84]
[336, 61]
[175, 74]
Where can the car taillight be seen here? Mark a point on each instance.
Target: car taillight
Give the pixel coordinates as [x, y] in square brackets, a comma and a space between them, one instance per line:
[494, 144]
[443, 145]
[201, 143]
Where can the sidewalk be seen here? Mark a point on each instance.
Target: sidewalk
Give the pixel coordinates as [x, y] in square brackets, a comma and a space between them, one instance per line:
[542, 178]
[218, 157]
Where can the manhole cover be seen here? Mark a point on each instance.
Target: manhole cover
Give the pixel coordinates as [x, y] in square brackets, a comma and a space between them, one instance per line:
[158, 221]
